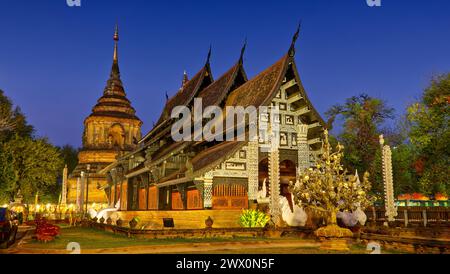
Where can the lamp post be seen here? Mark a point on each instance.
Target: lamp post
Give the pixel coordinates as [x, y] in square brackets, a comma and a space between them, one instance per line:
[88, 167]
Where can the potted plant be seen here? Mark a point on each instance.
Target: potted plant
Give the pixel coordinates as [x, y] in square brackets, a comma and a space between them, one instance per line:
[119, 222]
[133, 223]
[102, 220]
[109, 221]
[253, 218]
[209, 222]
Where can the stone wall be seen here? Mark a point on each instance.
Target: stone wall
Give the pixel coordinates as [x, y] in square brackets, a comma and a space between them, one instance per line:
[183, 219]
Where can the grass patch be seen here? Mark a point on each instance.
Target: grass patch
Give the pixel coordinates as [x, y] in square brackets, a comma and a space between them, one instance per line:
[97, 239]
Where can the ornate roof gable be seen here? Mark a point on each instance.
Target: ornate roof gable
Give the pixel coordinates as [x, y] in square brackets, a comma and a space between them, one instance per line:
[262, 88]
[214, 94]
[184, 96]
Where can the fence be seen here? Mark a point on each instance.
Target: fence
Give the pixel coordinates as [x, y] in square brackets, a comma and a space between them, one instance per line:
[412, 216]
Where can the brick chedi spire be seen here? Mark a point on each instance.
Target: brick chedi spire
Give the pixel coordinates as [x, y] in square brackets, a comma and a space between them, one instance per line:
[114, 84]
[111, 130]
[114, 101]
[115, 72]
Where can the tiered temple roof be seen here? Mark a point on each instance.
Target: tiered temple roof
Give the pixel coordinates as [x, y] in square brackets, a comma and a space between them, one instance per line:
[231, 89]
[186, 94]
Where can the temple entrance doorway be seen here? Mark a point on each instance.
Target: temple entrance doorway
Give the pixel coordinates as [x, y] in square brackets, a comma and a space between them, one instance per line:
[133, 194]
[288, 172]
[229, 193]
[263, 178]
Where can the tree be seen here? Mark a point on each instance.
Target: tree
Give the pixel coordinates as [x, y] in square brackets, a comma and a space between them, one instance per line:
[29, 165]
[7, 177]
[430, 135]
[363, 118]
[26, 163]
[404, 176]
[12, 121]
[403, 157]
[70, 156]
[329, 188]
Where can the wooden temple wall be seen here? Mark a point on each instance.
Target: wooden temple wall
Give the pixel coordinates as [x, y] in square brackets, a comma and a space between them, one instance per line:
[142, 199]
[194, 199]
[117, 194]
[183, 219]
[177, 202]
[153, 198]
[124, 197]
[229, 196]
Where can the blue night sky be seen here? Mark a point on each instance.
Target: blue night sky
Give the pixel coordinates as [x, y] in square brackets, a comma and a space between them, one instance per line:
[55, 60]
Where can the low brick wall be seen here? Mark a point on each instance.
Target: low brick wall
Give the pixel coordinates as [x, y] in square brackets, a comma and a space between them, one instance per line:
[413, 245]
[183, 219]
[170, 233]
[442, 233]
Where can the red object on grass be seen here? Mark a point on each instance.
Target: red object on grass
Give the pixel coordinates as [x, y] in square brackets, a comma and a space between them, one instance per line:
[45, 231]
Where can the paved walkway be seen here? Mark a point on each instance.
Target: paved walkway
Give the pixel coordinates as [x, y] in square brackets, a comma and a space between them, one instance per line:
[178, 248]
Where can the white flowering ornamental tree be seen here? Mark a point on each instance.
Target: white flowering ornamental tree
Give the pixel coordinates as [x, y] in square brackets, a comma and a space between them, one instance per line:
[329, 188]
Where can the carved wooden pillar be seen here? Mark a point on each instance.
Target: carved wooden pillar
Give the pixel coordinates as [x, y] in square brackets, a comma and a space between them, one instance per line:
[252, 168]
[164, 169]
[115, 189]
[207, 190]
[303, 148]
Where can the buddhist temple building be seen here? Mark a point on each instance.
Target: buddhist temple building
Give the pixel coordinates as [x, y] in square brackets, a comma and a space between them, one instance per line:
[190, 181]
[110, 131]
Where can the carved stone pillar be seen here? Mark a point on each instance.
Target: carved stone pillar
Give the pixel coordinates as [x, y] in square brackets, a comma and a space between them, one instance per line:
[81, 186]
[303, 148]
[389, 199]
[252, 168]
[207, 190]
[274, 180]
[64, 186]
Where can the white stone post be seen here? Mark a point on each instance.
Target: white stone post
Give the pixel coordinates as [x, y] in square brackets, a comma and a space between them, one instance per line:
[252, 168]
[207, 190]
[80, 191]
[303, 148]
[389, 199]
[64, 186]
[274, 175]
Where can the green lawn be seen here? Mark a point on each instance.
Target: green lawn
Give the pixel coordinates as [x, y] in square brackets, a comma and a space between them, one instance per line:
[355, 249]
[96, 239]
